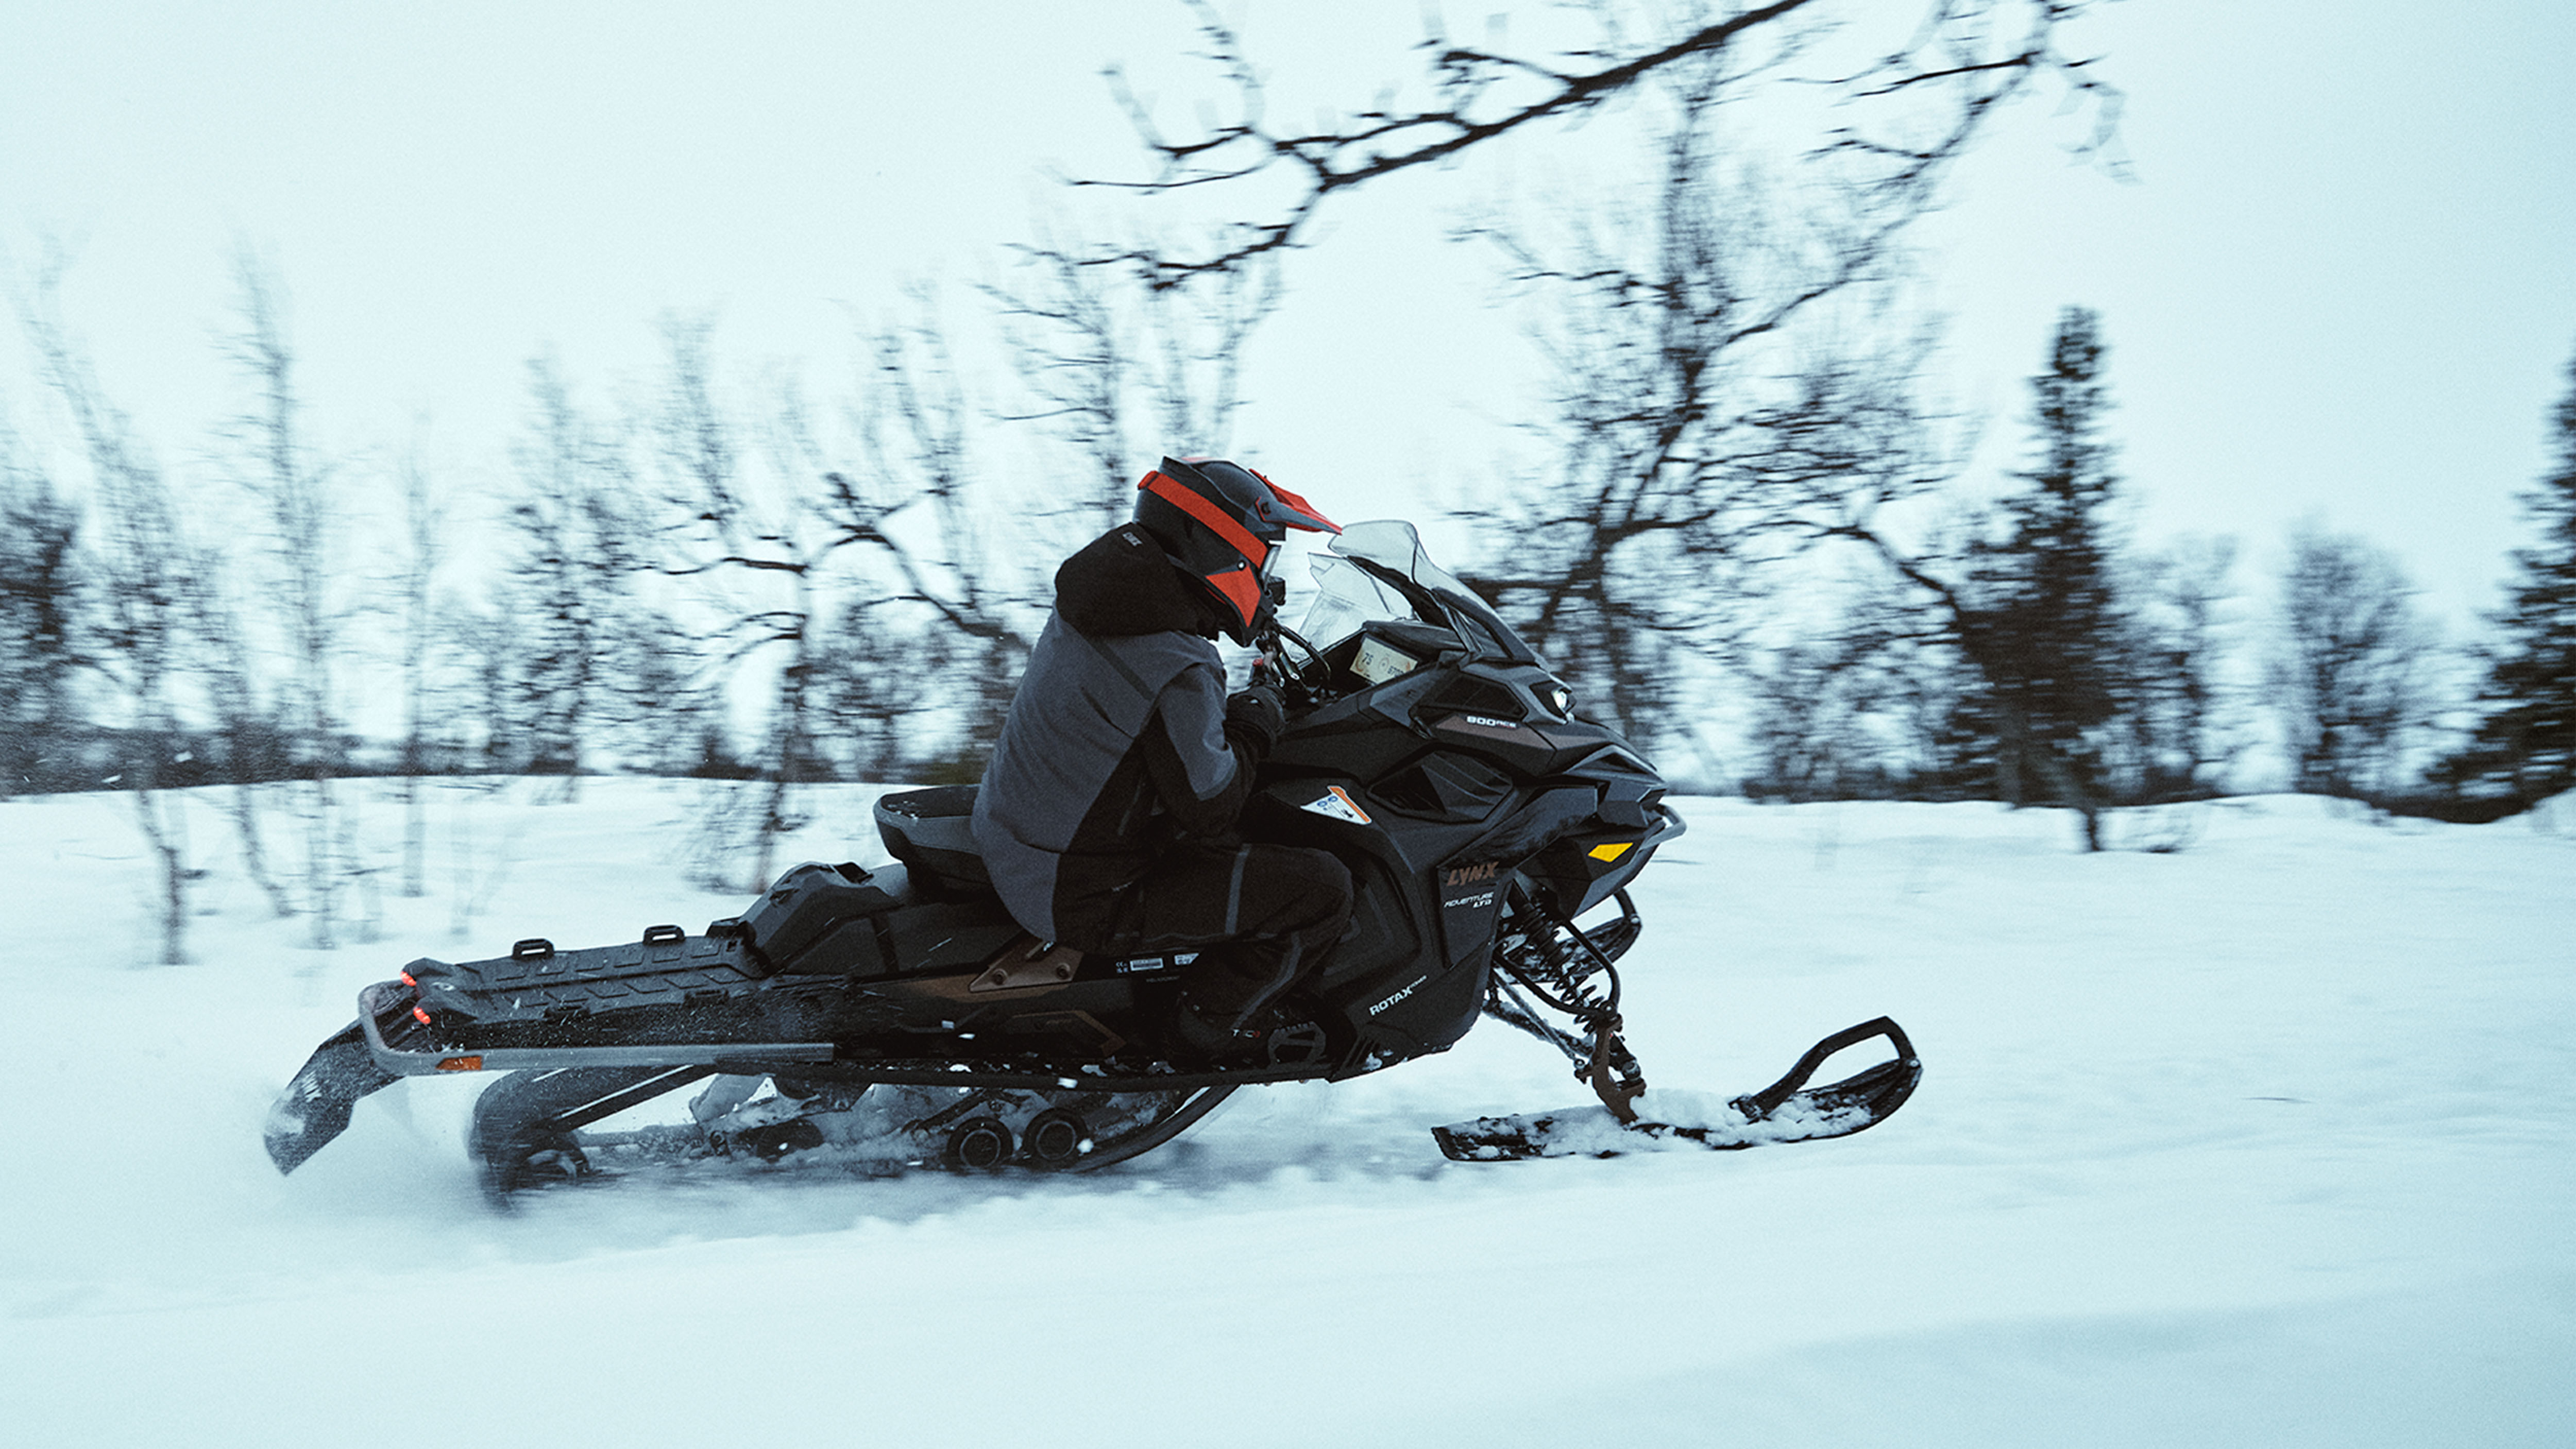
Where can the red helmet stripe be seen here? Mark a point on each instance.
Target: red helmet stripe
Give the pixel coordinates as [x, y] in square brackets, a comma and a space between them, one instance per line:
[1188, 501]
[1241, 588]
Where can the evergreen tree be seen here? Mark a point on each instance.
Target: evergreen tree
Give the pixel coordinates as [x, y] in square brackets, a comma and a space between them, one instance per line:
[2528, 738]
[2042, 621]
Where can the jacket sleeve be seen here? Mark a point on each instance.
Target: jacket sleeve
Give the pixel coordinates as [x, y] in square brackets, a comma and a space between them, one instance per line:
[1201, 768]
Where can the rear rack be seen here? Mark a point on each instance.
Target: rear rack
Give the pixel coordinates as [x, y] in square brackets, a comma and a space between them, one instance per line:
[407, 1049]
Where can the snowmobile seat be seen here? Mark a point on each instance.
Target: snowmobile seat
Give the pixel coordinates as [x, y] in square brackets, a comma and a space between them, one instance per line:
[933, 833]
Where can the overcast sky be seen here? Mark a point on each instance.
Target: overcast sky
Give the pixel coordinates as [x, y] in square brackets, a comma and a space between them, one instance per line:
[2342, 280]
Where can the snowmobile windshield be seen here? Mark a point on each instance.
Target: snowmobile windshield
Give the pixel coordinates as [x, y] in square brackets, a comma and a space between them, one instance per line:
[1380, 571]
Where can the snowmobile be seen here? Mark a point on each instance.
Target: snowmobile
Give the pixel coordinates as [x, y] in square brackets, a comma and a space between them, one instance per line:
[897, 1016]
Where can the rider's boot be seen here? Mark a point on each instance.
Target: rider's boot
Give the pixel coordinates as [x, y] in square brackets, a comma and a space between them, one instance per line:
[1271, 1035]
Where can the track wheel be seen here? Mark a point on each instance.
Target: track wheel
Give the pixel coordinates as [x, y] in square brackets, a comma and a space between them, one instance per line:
[978, 1144]
[522, 1135]
[1055, 1139]
[526, 1164]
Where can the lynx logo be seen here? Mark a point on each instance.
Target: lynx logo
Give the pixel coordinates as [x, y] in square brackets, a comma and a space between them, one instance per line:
[1458, 875]
[1399, 996]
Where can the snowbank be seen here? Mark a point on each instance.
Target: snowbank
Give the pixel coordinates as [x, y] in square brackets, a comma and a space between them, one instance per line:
[2265, 1141]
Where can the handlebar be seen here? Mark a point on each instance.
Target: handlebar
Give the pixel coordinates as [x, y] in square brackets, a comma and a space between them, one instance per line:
[1301, 678]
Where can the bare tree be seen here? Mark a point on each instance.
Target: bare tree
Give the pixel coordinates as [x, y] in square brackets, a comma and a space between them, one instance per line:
[2347, 671]
[1120, 369]
[860, 602]
[658, 698]
[2180, 724]
[771, 555]
[884, 664]
[919, 510]
[43, 593]
[1710, 414]
[1804, 732]
[294, 489]
[1902, 114]
[1857, 706]
[145, 598]
[494, 651]
[250, 748]
[424, 531]
[576, 556]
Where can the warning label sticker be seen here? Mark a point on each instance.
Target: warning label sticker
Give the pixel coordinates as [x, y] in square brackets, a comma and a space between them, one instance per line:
[1336, 804]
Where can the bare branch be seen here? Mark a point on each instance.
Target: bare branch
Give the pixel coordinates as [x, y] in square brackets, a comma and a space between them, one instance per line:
[1948, 53]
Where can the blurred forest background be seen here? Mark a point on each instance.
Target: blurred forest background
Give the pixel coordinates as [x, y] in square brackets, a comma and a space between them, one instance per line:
[1744, 526]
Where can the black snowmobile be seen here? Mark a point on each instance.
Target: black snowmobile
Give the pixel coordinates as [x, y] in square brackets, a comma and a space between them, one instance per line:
[897, 1016]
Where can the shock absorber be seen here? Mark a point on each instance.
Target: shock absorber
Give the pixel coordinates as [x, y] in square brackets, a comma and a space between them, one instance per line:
[1543, 957]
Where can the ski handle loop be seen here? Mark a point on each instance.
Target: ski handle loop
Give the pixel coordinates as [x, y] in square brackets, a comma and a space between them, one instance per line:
[1758, 1106]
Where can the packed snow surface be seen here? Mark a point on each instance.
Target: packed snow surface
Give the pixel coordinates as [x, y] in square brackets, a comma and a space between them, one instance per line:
[2267, 1140]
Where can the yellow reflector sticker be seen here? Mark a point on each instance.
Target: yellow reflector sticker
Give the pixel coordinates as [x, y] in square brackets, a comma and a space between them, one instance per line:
[460, 1064]
[1613, 851]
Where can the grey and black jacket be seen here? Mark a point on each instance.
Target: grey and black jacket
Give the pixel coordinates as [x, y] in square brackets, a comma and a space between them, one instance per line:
[1117, 744]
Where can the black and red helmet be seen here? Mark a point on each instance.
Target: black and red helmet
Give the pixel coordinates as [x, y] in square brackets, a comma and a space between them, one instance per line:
[1222, 524]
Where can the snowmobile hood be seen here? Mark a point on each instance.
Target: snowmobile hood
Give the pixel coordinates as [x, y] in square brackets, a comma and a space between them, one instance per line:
[1121, 583]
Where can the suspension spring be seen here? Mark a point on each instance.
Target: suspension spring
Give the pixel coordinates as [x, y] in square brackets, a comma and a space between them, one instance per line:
[1545, 953]
[1557, 963]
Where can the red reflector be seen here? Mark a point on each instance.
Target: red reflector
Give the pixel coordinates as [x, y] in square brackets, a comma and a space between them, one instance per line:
[409, 980]
[460, 1064]
[420, 1014]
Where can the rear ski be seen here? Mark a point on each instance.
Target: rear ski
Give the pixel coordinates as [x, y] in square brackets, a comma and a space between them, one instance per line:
[1786, 1111]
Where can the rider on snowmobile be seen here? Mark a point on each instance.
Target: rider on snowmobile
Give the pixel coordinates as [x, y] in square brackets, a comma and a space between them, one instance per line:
[1106, 817]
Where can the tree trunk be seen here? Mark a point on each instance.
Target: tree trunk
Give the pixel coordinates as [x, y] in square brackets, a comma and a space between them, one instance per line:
[171, 852]
[255, 852]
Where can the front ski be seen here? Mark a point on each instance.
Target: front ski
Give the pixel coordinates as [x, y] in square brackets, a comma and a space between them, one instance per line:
[1786, 1111]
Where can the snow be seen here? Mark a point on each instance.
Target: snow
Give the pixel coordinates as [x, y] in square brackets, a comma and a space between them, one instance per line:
[2267, 1140]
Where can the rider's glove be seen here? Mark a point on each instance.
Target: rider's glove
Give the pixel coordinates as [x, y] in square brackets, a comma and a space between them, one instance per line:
[1258, 711]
